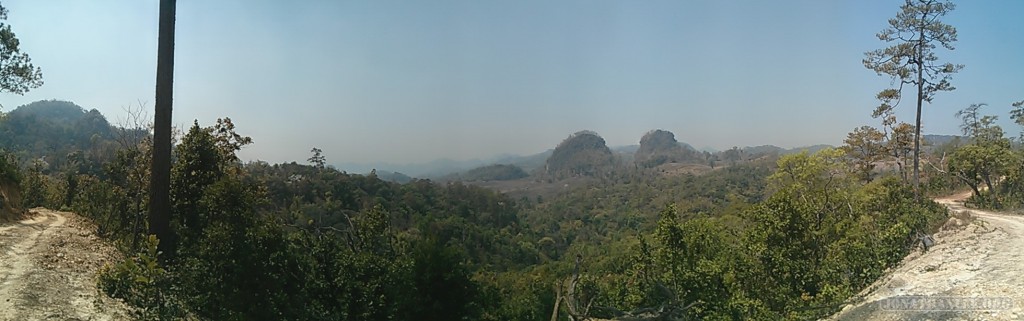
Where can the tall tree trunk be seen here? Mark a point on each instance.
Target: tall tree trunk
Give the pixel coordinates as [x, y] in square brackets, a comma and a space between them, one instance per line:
[160, 181]
[917, 123]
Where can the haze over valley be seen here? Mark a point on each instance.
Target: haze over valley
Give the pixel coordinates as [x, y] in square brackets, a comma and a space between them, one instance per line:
[390, 82]
[576, 160]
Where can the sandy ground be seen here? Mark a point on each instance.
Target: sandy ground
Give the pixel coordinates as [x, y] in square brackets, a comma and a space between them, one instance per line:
[48, 267]
[974, 272]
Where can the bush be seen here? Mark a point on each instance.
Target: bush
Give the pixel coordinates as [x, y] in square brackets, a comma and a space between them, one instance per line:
[10, 184]
[142, 283]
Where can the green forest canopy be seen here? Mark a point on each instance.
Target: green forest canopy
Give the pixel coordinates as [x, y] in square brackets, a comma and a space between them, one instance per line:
[435, 250]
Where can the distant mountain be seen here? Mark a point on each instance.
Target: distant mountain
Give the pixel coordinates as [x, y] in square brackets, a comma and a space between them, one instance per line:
[496, 172]
[776, 150]
[656, 147]
[440, 168]
[529, 163]
[708, 149]
[763, 149]
[393, 177]
[55, 111]
[627, 149]
[659, 147]
[936, 140]
[687, 146]
[434, 168]
[810, 149]
[584, 153]
[47, 118]
[54, 129]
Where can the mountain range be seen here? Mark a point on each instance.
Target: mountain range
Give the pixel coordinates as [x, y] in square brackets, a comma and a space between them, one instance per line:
[68, 126]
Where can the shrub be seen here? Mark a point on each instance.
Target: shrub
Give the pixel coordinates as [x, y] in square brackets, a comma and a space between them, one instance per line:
[142, 283]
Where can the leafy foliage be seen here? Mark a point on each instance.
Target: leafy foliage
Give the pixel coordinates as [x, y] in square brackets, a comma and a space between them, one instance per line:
[237, 257]
[17, 73]
[986, 158]
[819, 238]
[290, 241]
[865, 145]
[10, 179]
[142, 282]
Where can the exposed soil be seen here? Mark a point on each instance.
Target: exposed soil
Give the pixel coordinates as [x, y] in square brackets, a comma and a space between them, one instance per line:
[977, 255]
[48, 268]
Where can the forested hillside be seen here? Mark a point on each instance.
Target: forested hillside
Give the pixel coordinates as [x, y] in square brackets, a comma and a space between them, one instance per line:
[51, 130]
[654, 230]
[496, 172]
[581, 154]
[660, 146]
[325, 244]
[57, 138]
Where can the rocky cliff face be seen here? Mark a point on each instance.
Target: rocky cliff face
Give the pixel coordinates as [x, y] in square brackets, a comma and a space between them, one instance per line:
[584, 153]
[659, 147]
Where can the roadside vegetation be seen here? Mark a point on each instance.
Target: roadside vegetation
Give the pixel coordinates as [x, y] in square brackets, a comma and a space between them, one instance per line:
[777, 237]
[763, 237]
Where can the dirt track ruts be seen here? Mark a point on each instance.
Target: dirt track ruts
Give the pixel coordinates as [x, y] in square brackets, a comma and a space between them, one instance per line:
[48, 268]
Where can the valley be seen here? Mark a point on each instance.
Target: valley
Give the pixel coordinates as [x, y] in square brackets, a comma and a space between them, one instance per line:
[511, 160]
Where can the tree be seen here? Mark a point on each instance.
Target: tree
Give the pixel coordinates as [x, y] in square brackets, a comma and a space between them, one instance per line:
[901, 146]
[318, 160]
[445, 289]
[129, 168]
[683, 275]
[732, 155]
[1013, 186]
[227, 140]
[10, 178]
[160, 180]
[17, 74]
[911, 59]
[710, 159]
[199, 164]
[33, 185]
[1017, 114]
[899, 136]
[973, 122]
[987, 156]
[865, 146]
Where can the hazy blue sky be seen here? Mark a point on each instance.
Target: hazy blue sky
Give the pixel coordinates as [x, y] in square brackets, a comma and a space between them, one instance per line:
[406, 81]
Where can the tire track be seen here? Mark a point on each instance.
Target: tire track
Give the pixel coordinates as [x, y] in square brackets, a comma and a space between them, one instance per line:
[48, 265]
[18, 242]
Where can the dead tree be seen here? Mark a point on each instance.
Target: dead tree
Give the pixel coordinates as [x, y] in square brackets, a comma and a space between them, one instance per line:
[134, 141]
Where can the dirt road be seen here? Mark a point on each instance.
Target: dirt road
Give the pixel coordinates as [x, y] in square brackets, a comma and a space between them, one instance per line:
[974, 272]
[48, 266]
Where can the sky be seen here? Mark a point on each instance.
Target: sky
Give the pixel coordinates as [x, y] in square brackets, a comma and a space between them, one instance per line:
[412, 81]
